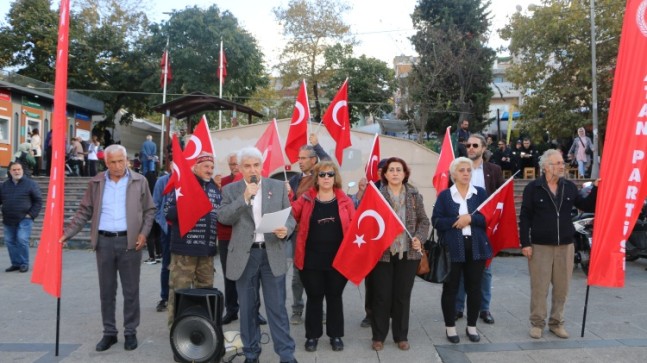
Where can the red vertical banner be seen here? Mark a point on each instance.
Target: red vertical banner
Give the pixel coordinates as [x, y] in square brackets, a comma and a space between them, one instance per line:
[48, 264]
[624, 163]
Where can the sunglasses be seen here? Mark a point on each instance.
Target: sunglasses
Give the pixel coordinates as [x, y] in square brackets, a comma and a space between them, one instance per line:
[473, 146]
[330, 174]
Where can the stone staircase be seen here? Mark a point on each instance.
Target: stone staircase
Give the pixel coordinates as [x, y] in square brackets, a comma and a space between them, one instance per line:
[74, 190]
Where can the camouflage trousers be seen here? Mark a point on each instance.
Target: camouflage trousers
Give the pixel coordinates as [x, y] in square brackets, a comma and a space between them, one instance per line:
[188, 272]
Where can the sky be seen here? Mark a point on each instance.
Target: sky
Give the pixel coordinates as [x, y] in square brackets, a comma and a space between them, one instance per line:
[381, 26]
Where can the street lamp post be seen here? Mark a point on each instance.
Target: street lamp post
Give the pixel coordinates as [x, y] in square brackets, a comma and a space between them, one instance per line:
[595, 171]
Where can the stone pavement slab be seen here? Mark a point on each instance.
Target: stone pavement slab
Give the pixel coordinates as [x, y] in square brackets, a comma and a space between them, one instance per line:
[616, 329]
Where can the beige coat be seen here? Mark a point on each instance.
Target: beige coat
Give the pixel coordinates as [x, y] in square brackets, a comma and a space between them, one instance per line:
[140, 209]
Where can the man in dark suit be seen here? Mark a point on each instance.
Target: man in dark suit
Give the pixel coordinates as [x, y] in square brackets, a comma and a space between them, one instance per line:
[256, 259]
[490, 177]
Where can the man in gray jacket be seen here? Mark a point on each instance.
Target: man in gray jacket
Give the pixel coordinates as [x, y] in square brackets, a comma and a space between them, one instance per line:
[256, 259]
[121, 208]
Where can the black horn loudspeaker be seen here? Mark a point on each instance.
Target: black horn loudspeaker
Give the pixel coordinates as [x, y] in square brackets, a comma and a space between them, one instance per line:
[196, 334]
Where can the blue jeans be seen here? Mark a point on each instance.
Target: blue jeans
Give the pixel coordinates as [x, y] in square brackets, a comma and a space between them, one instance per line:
[148, 165]
[581, 168]
[17, 240]
[486, 292]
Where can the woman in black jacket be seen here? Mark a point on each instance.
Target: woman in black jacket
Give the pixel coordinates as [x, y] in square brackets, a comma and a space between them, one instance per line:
[546, 233]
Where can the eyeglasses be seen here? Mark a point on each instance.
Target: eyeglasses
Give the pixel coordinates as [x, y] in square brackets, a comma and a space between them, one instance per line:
[474, 146]
[330, 174]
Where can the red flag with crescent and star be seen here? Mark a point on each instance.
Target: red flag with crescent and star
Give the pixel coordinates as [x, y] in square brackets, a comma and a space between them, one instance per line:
[337, 121]
[192, 203]
[624, 162]
[167, 75]
[298, 132]
[441, 177]
[372, 230]
[270, 146]
[198, 143]
[373, 160]
[501, 219]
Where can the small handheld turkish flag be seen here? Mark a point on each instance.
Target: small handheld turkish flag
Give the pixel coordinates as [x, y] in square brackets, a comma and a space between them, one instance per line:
[192, 202]
[501, 219]
[337, 121]
[199, 142]
[441, 177]
[270, 146]
[298, 132]
[372, 230]
[373, 160]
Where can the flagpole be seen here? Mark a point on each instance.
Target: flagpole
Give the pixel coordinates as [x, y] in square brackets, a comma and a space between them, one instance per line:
[496, 191]
[586, 304]
[164, 100]
[305, 87]
[220, 84]
[276, 127]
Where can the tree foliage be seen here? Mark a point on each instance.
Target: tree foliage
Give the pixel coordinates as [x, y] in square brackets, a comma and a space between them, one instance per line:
[115, 52]
[371, 81]
[451, 81]
[311, 27]
[551, 48]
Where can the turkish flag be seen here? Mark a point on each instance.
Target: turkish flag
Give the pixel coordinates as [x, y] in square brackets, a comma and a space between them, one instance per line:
[222, 68]
[337, 121]
[624, 164]
[270, 147]
[298, 132]
[192, 203]
[165, 64]
[501, 219]
[199, 142]
[373, 160]
[372, 230]
[441, 177]
[48, 265]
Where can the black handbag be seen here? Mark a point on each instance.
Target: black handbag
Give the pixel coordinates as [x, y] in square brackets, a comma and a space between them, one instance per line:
[439, 260]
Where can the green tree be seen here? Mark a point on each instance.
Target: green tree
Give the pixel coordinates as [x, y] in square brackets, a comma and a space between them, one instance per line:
[451, 81]
[194, 36]
[371, 82]
[28, 41]
[311, 27]
[551, 46]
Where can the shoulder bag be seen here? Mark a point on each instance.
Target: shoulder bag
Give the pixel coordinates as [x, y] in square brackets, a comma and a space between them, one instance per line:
[438, 259]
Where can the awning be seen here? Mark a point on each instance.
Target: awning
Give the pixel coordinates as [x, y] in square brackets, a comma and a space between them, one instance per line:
[198, 102]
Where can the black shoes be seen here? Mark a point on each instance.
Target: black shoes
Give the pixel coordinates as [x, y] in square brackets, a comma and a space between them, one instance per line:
[337, 344]
[12, 269]
[459, 314]
[261, 320]
[487, 317]
[24, 268]
[106, 342]
[250, 360]
[453, 339]
[131, 342]
[228, 318]
[366, 322]
[473, 338]
[311, 345]
[161, 306]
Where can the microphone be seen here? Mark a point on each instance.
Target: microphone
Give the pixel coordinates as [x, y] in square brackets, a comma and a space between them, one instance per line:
[253, 180]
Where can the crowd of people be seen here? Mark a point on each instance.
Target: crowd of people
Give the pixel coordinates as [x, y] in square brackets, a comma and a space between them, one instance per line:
[124, 209]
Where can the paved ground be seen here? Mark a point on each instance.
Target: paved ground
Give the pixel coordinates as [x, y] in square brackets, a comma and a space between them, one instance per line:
[616, 329]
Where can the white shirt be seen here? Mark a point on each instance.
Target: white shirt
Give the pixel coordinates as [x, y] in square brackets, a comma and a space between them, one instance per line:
[478, 177]
[462, 209]
[257, 211]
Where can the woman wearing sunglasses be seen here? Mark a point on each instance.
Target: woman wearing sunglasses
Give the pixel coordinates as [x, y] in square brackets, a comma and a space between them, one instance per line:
[391, 280]
[322, 213]
[462, 229]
